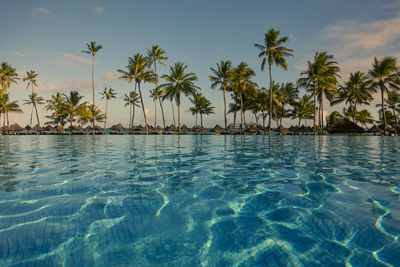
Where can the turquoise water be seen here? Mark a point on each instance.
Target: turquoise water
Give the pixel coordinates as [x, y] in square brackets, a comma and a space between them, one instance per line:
[199, 201]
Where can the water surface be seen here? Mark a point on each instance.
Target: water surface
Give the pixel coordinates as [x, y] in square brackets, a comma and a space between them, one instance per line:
[199, 201]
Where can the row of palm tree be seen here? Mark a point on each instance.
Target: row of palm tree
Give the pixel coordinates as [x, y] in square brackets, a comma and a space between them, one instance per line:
[279, 100]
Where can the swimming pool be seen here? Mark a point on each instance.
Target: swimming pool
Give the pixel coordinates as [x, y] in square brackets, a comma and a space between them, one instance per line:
[199, 201]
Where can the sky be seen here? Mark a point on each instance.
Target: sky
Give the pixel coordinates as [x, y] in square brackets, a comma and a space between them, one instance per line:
[48, 36]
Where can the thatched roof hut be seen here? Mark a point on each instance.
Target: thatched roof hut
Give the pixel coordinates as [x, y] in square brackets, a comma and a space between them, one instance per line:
[5, 128]
[345, 126]
[37, 128]
[16, 128]
[172, 128]
[184, 128]
[199, 129]
[157, 129]
[231, 127]
[281, 129]
[49, 128]
[59, 128]
[262, 128]
[118, 127]
[217, 128]
[28, 127]
[139, 128]
[72, 128]
[375, 129]
[253, 129]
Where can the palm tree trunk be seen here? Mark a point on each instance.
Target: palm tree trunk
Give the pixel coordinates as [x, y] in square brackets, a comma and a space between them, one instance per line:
[130, 117]
[94, 130]
[33, 106]
[196, 119]
[315, 107]
[241, 113]
[270, 100]
[395, 120]
[37, 115]
[201, 119]
[322, 115]
[383, 112]
[162, 111]
[173, 112]
[105, 117]
[8, 122]
[144, 112]
[155, 112]
[234, 119]
[226, 122]
[179, 113]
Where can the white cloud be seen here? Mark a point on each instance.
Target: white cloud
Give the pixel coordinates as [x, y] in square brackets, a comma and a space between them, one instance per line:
[99, 9]
[352, 37]
[40, 10]
[72, 60]
[14, 53]
[66, 86]
[109, 76]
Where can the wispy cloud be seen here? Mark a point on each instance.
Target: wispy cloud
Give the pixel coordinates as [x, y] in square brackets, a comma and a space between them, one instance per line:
[109, 76]
[14, 53]
[72, 60]
[99, 9]
[40, 10]
[352, 37]
[66, 86]
[393, 5]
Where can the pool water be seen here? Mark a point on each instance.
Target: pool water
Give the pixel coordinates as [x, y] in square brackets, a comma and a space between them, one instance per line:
[199, 201]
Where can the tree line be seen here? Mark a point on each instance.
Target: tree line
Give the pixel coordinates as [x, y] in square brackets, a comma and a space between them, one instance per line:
[274, 102]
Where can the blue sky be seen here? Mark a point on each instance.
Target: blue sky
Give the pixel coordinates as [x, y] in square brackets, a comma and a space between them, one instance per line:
[47, 36]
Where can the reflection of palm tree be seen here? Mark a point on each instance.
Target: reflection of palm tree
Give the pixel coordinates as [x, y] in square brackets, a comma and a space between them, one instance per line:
[273, 53]
[34, 100]
[108, 94]
[92, 48]
[383, 72]
[221, 77]
[138, 70]
[179, 81]
[155, 55]
[7, 106]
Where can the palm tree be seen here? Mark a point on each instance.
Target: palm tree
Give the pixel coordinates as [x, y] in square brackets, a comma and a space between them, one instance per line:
[177, 82]
[321, 73]
[196, 101]
[131, 100]
[72, 106]
[92, 48]
[273, 52]
[287, 94]
[56, 104]
[333, 118]
[138, 70]
[357, 90]
[303, 109]
[8, 76]
[364, 117]
[393, 103]
[108, 94]
[241, 84]
[34, 100]
[156, 54]
[7, 106]
[383, 72]
[91, 114]
[221, 77]
[205, 108]
[157, 93]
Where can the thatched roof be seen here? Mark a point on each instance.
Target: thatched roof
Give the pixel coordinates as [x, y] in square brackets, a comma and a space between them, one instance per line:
[37, 128]
[118, 127]
[49, 128]
[262, 128]
[59, 128]
[172, 128]
[184, 128]
[253, 128]
[72, 128]
[345, 126]
[5, 128]
[281, 129]
[80, 128]
[158, 129]
[199, 129]
[293, 129]
[375, 129]
[231, 127]
[28, 127]
[16, 128]
[217, 128]
[138, 128]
